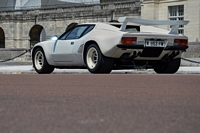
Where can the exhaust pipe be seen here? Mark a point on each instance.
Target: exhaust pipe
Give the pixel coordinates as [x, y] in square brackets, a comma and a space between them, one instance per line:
[167, 57]
[173, 54]
[134, 54]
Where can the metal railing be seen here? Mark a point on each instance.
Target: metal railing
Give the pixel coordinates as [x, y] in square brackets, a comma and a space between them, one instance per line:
[12, 53]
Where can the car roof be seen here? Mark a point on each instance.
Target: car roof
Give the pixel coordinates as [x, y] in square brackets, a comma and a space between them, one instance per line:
[110, 23]
[100, 25]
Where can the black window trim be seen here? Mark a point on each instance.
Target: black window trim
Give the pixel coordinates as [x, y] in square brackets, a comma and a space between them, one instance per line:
[87, 29]
[70, 30]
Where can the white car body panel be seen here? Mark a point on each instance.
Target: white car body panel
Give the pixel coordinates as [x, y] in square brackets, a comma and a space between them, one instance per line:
[110, 36]
[62, 51]
[47, 47]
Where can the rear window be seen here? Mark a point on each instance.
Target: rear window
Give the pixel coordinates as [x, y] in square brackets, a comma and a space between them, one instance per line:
[129, 28]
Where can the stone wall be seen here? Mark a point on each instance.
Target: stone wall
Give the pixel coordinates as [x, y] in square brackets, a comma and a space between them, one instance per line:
[7, 54]
[18, 24]
[193, 51]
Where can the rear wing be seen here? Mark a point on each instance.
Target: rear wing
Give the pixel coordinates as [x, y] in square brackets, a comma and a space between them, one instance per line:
[174, 24]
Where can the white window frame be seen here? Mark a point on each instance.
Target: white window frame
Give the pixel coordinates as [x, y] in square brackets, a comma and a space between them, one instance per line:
[176, 13]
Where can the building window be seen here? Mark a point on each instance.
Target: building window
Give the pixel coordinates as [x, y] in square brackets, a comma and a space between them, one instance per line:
[176, 13]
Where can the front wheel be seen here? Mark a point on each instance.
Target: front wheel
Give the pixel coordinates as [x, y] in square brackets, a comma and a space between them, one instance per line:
[96, 62]
[168, 67]
[40, 63]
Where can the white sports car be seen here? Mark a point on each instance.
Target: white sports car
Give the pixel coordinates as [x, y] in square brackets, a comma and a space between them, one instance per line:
[103, 47]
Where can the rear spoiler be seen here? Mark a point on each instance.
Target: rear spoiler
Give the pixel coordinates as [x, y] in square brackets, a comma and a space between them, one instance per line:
[174, 24]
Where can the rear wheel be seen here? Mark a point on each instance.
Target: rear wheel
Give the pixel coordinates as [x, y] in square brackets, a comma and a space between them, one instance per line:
[40, 63]
[96, 62]
[168, 67]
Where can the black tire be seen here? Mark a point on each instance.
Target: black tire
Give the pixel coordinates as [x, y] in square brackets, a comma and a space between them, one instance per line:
[170, 67]
[40, 63]
[96, 62]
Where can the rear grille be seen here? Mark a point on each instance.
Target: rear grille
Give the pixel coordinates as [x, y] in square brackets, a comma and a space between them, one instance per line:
[151, 52]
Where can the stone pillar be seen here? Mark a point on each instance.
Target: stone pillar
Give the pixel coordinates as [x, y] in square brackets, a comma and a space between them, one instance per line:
[9, 30]
[18, 30]
[150, 9]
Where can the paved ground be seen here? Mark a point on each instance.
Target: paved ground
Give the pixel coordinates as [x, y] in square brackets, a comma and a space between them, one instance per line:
[87, 103]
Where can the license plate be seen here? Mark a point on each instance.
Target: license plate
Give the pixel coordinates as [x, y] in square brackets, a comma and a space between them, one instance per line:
[153, 43]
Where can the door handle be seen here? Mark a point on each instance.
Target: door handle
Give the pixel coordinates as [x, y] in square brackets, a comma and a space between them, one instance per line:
[72, 43]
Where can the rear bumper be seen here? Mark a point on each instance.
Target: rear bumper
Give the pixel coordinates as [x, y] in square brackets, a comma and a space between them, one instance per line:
[128, 46]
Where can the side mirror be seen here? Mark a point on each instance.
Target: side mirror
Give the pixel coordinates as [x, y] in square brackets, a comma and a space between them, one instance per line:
[54, 38]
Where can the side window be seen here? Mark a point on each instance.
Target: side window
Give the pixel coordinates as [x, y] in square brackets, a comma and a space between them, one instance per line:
[88, 30]
[76, 32]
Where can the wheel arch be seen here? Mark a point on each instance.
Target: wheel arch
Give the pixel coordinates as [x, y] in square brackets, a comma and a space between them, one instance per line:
[40, 63]
[33, 51]
[87, 44]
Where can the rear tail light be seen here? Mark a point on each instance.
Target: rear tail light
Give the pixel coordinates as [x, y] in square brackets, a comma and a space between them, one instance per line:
[128, 40]
[181, 42]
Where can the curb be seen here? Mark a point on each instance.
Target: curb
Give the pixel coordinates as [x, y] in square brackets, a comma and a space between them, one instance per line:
[85, 72]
